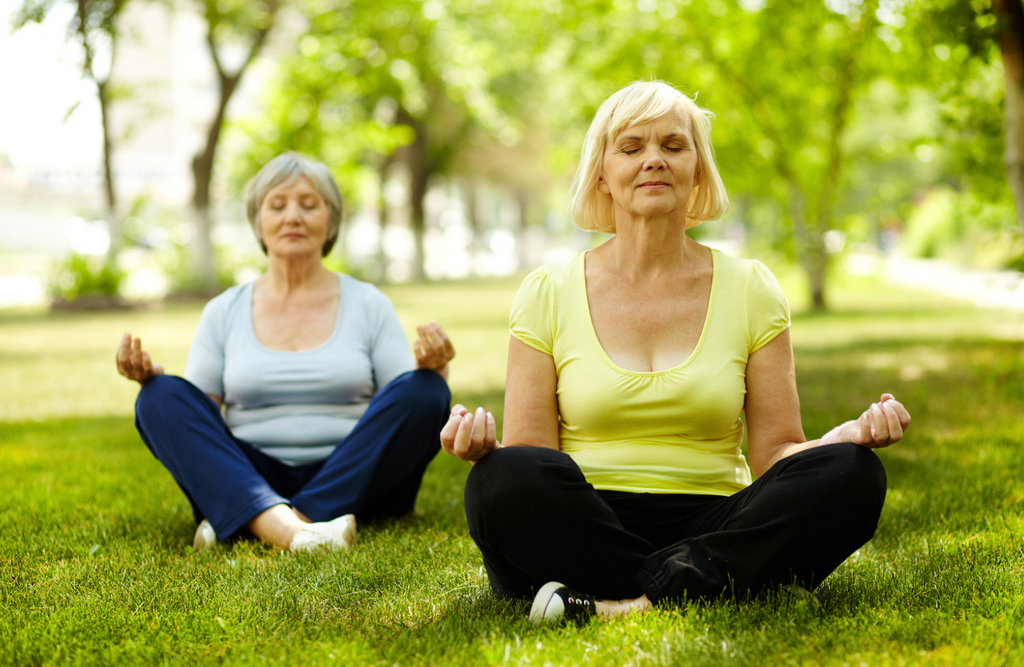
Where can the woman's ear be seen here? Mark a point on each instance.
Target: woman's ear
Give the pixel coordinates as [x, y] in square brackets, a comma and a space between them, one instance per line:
[602, 186]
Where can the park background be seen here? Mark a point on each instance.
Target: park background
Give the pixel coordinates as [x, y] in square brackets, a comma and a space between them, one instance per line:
[871, 151]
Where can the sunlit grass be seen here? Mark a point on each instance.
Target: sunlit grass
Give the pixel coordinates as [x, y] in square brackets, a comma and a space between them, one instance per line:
[96, 565]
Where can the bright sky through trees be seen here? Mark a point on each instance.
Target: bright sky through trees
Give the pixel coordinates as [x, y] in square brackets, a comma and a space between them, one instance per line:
[40, 80]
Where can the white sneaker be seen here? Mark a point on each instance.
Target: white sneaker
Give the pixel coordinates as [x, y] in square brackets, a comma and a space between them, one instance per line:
[337, 534]
[556, 603]
[205, 537]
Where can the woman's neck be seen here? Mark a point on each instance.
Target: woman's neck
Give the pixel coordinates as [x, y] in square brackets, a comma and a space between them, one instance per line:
[286, 276]
[651, 247]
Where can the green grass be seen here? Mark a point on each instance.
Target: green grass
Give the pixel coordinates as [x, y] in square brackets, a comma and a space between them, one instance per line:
[96, 565]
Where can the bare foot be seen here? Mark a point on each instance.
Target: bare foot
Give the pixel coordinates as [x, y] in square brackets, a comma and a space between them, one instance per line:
[615, 608]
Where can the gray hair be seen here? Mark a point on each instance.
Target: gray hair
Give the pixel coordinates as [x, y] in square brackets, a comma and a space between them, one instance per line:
[285, 169]
[637, 103]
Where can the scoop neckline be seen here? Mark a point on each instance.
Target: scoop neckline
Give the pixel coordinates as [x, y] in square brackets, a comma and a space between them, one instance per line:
[696, 349]
[328, 341]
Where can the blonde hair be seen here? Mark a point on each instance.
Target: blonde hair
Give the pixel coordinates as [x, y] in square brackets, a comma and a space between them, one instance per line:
[637, 103]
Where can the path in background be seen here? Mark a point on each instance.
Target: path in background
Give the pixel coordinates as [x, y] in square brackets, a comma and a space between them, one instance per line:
[986, 289]
[23, 280]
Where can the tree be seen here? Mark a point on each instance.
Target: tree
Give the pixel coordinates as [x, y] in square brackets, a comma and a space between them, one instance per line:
[800, 109]
[399, 79]
[1009, 29]
[245, 25]
[94, 25]
[967, 37]
[784, 79]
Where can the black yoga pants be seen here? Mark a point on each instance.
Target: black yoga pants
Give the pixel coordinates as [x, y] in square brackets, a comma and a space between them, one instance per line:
[536, 519]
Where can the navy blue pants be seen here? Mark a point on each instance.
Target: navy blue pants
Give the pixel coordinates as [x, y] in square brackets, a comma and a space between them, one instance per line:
[536, 519]
[375, 471]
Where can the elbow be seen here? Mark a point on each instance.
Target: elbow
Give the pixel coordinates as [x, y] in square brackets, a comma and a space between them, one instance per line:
[762, 457]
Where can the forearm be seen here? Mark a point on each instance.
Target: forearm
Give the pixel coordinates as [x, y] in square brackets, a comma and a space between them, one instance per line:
[763, 464]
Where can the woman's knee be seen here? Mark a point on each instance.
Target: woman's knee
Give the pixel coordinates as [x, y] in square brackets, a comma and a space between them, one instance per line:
[167, 399]
[159, 390]
[518, 478]
[856, 471]
[425, 391]
[850, 483]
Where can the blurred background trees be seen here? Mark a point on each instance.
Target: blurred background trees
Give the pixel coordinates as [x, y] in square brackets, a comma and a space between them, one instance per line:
[455, 124]
[244, 25]
[94, 28]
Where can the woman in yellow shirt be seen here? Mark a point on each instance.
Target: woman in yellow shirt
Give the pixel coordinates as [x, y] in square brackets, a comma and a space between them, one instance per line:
[628, 371]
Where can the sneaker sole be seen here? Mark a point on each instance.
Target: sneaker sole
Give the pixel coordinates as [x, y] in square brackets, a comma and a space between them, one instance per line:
[348, 535]
[539, 609]
[205, 537]
[329, 539]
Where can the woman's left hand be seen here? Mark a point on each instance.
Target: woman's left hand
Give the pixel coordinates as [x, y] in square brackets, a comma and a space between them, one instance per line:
[433, 349]
[881, 425]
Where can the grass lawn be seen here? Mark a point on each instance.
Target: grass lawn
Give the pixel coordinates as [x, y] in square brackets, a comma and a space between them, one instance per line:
[96, 564]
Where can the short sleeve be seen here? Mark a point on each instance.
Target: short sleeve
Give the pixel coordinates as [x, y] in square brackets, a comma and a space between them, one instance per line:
[389, 348]
[532, 320]
[205, 365]
[766, 306]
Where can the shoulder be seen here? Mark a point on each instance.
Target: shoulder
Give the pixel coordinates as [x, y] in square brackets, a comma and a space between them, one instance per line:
[356, 294]
[760, 278]
[228, 302]
[553, 277]
[353, 288]
[751, 273]
[726, 263]
[764, 304]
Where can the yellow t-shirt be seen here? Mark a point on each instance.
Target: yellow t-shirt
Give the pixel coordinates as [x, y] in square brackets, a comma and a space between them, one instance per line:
[671, 431]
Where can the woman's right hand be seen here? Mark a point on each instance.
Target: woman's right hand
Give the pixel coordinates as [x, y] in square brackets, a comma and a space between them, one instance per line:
[133, 362]
[468, 435]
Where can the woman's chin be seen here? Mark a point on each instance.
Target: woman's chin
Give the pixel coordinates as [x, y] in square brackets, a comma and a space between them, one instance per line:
[292, 253]
[658, 214]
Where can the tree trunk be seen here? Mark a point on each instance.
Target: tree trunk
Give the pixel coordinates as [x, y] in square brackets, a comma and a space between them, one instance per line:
[103, 96]
[817, 254]
[523, 201]
[419, 177]
[202, 175]
[113, 222]
[202, 164]
[383, 218]
[811, 251]
[473, 219]
[1010, 15]
[816, 265]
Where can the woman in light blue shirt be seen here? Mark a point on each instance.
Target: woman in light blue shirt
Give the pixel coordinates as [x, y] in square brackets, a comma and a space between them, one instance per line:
[301, 405]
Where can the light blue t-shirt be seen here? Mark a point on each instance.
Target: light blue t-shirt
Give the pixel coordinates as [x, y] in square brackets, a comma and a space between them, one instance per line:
[297, 406]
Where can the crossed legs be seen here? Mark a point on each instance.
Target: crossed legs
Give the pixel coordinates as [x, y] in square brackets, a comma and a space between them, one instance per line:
[536, 519]
[377, 469]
